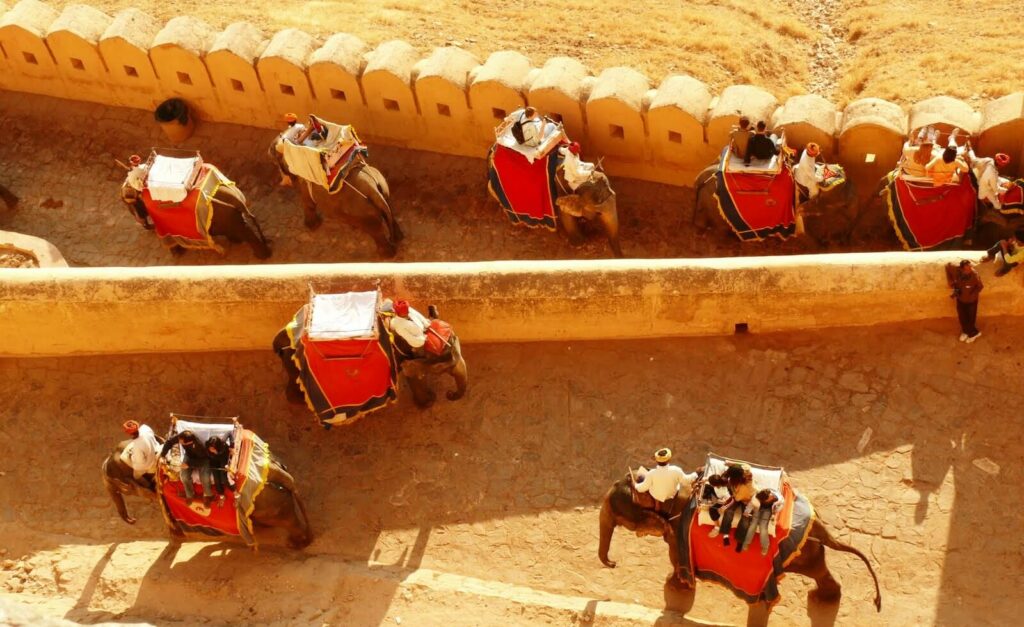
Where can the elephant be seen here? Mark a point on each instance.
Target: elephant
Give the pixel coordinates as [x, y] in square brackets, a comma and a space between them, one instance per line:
[277, 506]
[592, 201]
[364, 201]
[416, 370]
[840, 211]
[231, 218]
[619, 509]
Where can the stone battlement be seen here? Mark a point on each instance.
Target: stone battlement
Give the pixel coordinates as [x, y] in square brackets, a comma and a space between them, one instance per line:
[450, 101]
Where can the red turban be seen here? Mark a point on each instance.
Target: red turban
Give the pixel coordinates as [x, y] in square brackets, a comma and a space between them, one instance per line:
[130, 427]
[402, 308]
[1002, 159]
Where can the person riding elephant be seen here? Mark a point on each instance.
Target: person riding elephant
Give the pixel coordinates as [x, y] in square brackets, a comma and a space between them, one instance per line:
[277, 506]
[620, 509]
[142, 453]
[589, 197]
[363, 201]
[665, 481]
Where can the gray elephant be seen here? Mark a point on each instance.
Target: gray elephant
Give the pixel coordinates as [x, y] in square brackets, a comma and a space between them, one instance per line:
[363, 201]
[277, 506]
[417, 371]
[622, 508]
[593, 201]
[836, 211]
[231, 218]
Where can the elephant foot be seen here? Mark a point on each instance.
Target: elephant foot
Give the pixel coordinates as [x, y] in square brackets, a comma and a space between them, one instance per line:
[262, 252]
[314, 223]
[294, 395]
[677, 582]
[388, 252]
[129, 520]
[427, 401]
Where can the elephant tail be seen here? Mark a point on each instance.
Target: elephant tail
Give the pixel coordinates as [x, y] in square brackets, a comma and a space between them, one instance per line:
[827, 540]
[607, 528]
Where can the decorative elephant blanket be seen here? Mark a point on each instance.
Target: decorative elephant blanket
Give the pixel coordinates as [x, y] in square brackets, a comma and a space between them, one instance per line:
[751, 576]
[925, 216]
[525, 190]
[232, 517]
[186, 223]
[1013, 198]
[344, 379]
[756, 203]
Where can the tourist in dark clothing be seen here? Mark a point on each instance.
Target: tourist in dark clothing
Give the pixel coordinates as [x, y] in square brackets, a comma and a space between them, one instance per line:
[219, 451]
[761, 145]
[966, 286]
[196, 458]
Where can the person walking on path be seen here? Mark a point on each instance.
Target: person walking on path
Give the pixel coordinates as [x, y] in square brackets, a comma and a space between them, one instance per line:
[966, 286]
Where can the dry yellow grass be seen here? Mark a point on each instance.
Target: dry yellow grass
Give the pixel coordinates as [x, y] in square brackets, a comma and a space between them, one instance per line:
[909, 50]
[721, 42]
[901, 50]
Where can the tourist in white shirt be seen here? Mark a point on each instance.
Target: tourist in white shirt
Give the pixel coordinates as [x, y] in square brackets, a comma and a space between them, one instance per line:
[142, 452]
[408, 324]
[663, 481]
[805, 172]
[986, 170]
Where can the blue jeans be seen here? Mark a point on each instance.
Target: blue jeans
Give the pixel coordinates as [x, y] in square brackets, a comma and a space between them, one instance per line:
[205, 478]
[760, 524]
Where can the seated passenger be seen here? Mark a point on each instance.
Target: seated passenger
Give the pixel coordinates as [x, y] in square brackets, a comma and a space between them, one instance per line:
[711, 495]
[137, 175]
[410, 325]
[986, 171]
[916, 158]
[663, 481]
[739, 138]
[1007, 253]
[295, 130]
[527, 127]
[575, 170]
[196, 458]
[768, 503]
[761, 145]
[741, 488]
[219, 451]
[945, 170]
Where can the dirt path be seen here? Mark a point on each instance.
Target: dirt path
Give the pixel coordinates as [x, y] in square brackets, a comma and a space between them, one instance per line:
[502, 488]
[69, 196]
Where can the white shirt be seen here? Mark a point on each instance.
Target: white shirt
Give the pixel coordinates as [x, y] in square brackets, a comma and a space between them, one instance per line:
[137, 177]
[805, 174]
[576, 171]
[293, 132]
[664, 482]
[412, 329]
[987, 173]
[776, 506]
[144, 452]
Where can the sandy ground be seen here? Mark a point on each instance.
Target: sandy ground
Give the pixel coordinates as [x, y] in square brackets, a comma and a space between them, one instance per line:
[484, 512]
[69, 196]
[902, 50]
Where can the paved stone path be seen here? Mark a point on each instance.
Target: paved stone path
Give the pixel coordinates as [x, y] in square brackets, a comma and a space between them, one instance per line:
[504, 486]
[58, 157]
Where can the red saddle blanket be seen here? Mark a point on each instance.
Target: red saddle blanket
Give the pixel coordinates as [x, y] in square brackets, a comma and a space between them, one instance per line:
[439, 338]
[1013, 198]
[925, 216]
[757, 205]
[526, 191]
[187, 223]
[343, 379]
[217, 519]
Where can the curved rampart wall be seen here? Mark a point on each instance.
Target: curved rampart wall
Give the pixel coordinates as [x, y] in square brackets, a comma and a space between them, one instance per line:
[189, 308]
[450, 101]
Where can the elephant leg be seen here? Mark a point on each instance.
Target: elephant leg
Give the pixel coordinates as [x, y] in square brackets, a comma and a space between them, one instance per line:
[237, 229]
[571, 224]
[609, 218]
[811, 563]
[422, 395]
[310, 216]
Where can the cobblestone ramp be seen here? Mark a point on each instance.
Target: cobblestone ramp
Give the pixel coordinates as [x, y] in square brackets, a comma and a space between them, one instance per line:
[504, 486]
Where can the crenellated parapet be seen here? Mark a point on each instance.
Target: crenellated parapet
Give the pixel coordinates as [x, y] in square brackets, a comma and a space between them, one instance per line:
[449, 101]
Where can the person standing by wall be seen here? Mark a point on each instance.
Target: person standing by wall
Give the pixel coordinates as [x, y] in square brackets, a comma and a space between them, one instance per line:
[966, 286]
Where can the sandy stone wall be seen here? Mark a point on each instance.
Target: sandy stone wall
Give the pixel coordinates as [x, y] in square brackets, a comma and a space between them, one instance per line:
[189, 308]
[449, 101]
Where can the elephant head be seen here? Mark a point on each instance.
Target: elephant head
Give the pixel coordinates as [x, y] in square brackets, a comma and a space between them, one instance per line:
[450, 363]
[594, 200]
[622, 507]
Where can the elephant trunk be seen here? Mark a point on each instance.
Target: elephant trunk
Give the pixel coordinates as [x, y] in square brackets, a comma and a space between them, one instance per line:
[607, 528]
[460, 373]
[302, 536]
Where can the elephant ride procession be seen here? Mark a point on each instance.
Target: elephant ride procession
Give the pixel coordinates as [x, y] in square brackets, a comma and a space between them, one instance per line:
[537, 176]
[230, 477]
[343, 353]
[762, 194]
[188, 202]
[932, 193]
[321, 152]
